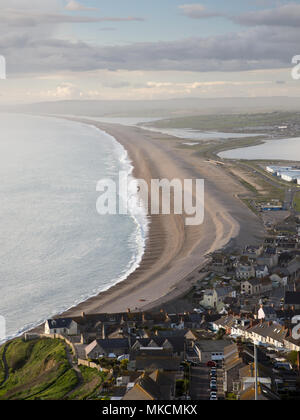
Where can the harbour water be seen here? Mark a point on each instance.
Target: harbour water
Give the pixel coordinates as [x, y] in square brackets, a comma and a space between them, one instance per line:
[282, 149]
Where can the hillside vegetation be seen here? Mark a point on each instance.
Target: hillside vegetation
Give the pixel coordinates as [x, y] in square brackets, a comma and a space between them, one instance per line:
[40, 369]
[227, 122]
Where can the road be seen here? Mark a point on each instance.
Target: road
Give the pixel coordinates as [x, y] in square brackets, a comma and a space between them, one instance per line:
[199, 387]
[200, 383]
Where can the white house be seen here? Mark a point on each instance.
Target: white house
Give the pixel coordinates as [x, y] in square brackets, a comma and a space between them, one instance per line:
[63, 326]
[261, 271]
[268, 333]
[214, 297]
[267, 313]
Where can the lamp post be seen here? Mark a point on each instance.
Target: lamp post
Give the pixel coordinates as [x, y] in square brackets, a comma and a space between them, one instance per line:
[255, 368]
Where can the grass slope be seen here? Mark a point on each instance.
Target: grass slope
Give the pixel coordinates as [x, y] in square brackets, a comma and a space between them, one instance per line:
[38, 369]
[92, 382]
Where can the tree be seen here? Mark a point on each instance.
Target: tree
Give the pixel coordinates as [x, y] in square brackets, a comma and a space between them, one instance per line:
[292, 357]
[220, 334]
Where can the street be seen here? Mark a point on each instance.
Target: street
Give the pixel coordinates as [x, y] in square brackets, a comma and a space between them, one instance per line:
[200, 383]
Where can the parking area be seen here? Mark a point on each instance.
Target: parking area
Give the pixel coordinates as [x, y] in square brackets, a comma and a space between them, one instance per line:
[200, 382]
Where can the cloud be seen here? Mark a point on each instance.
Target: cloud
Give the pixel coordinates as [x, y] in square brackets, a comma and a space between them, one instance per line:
[256, 48]
[117, 85]
[282, 15]
[197, 85]
[30, 44]
[197, 11]
[29, 19]
[287, 15]
[63, 91]
[74, 6]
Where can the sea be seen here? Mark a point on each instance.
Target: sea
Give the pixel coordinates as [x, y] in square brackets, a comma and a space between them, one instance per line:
[55, 249]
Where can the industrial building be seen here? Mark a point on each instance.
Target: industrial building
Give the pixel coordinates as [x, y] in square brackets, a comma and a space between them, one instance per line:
[275, 169]
[286, 173]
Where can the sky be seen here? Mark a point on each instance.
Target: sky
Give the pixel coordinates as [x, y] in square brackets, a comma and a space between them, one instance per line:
[141, 49]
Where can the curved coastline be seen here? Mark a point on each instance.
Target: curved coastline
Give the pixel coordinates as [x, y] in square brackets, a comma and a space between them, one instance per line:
[173, 251]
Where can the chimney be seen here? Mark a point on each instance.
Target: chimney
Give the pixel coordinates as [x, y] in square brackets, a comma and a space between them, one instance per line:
[82, 314]
[128, 310]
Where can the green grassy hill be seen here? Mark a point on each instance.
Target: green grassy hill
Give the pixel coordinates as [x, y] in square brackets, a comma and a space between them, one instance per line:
[40, 369]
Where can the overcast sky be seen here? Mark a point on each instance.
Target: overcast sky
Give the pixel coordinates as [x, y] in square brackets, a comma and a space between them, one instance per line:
[142, 49]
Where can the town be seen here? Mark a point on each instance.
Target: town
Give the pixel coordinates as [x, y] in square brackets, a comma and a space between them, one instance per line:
[233, 336]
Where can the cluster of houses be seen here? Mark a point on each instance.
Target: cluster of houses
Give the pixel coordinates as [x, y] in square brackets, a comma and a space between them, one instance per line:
[156, 345]
[266, 270]
[246, 299]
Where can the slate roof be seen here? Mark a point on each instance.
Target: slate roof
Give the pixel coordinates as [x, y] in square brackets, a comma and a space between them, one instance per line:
[226, 321]
[144, 389]
[224, 291]
[113, 343]
[59, 323]
[161, 378]
[154, 386]
[253, 282]
[172, 333]
[176, 342]
[274, 331]
[158, 361]
[109, 345]
[292, 298]
[212, 345]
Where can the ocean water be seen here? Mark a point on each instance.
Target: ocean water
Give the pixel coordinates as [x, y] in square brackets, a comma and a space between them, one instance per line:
[282, 149]
[55, 249]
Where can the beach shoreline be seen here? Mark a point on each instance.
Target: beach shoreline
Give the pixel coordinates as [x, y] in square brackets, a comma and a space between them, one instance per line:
[174, 253]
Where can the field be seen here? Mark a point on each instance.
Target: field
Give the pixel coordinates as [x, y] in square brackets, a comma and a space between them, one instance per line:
[235, 122]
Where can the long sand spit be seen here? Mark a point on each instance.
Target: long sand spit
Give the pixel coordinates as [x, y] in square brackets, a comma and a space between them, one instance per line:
[174, 252]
